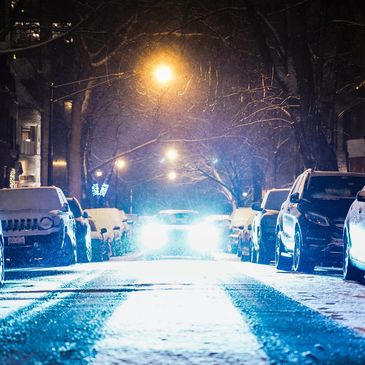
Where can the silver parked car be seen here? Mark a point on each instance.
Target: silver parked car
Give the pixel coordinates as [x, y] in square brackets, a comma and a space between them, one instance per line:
[38, 224]
[354, 240]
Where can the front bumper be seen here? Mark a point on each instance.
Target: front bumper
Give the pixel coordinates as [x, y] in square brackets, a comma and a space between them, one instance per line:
[34, 246]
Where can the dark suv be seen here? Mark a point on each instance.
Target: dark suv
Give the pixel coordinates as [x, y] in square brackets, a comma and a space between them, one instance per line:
[262, 248]
[310, 222]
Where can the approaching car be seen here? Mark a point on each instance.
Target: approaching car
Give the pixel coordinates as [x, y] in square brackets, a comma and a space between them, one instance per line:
[262, 249]
[178, 232]
[114, 221]
[354, 240]
[2, 258]
[310, 222]
[100, 244]
[83, 232]
[38, 223]
[241, 220]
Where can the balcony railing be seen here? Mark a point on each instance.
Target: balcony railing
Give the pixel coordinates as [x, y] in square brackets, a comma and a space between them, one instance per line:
[28, 148]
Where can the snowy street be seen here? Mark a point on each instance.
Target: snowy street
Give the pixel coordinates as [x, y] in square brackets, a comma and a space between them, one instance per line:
[179, 311]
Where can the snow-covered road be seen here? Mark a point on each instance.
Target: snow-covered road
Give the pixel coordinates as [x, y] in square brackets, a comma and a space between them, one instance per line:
[181, 311]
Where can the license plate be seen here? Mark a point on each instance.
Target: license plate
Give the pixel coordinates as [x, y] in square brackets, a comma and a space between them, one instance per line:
[16, 240]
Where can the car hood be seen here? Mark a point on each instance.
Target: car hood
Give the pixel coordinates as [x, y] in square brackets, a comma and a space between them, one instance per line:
[333, 209]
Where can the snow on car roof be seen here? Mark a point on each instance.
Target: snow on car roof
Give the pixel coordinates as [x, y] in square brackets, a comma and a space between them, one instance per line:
[336, 173]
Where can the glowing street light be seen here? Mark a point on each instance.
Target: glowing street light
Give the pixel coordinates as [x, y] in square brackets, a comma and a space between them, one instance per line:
[172, 175]
[171, 154]
[163, 74]
[120, 164]
[98, 173]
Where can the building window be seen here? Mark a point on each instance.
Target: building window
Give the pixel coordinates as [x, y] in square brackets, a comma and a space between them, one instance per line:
[28, 141]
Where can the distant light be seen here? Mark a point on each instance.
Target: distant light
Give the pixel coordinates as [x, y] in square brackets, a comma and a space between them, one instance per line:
[98, 173]
[172, 175]
[67, 105]
[57, 163]
[103, 190]
[120, 164]
[95, 189]
[171, 154]
[163, 74]
[215, 161]
[245, 194]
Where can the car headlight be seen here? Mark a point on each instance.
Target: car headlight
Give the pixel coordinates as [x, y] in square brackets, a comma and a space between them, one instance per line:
[45, 223]
[318, 219]
[154, 236]
[203, 237]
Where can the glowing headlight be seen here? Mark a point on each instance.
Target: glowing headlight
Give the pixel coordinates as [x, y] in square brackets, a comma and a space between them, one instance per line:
[154, 236]
[45, 223]
[319, 219]
[203, 237]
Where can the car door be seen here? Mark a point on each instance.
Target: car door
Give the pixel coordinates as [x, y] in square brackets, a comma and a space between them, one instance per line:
[357, 231]
[290, 213]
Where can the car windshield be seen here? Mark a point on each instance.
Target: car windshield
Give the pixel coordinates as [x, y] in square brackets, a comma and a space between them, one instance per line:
[275, 199]
[75, 208]
[178, 218]
[334, 187]
[37, 198]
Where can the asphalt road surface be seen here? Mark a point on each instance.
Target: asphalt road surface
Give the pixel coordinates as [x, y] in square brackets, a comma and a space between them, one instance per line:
[179, 311]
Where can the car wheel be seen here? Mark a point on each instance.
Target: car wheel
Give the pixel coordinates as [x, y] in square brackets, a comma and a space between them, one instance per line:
[350, 272]
[281, 262]
[239, 249]
[2, 264]
[261, 255]
[300, 262]
[253, 253]
[84, 253]
[97, 254]
[68, 254]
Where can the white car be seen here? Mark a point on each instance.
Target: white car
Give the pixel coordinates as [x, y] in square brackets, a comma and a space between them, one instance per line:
[2, 259]
[178, 233]
[37, 224]
[115, 221]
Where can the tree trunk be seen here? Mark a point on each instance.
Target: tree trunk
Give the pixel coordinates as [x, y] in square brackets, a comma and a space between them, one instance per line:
[74, 162]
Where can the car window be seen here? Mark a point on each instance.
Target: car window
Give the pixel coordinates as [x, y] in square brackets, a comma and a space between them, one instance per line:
[179, 218]
[334, 187]
[274, 199]
[75, 208]
[294, 189]
[92, 226]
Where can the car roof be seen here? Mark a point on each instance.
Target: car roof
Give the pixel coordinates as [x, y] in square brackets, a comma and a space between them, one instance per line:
[336, 173]
[278, 190]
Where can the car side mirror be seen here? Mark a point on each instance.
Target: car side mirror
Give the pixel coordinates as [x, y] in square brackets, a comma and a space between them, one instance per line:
[116, 228]
[249, 227]
[85, 215]
[360, 196]
[241, 227]
[130, 222]
[294, 198]
[257, 207]
[103, 230]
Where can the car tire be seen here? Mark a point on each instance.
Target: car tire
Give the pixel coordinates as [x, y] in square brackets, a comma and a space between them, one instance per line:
[300, 262]
[97, 255]
[84, 253]
[253, 253]
[2, 264]
[281, 262]
[350, 272]
[261, 255]
[67, 255]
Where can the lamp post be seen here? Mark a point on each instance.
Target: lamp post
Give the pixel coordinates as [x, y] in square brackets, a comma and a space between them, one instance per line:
[119, 165]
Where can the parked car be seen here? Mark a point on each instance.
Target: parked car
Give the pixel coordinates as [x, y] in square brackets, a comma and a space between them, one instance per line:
[239, 235]
[38, 224]
[100, 243]
[262, 249]
[310, 222]
[83, 232]
[2, 257]
[178, 233]
[354, 240]
[115, 222]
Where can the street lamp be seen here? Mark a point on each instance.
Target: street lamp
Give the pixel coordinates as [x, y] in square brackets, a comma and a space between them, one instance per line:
[163, 74]
[172, 175]
[119, 165]
[98, 173]
[171, 154]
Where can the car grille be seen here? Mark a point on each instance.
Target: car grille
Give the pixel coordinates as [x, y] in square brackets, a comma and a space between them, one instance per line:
[24, 224]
